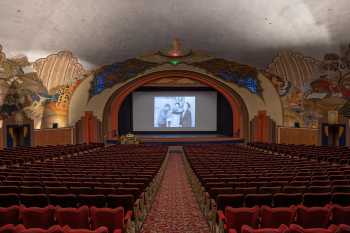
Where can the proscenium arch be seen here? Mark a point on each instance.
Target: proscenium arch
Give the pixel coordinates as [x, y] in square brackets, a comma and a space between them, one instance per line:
[240, 116]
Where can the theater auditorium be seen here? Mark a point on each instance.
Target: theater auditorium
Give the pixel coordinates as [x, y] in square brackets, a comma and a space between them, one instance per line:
[177, 116]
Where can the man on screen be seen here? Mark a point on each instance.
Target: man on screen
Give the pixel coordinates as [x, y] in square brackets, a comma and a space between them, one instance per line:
[177, 113]
[186, 118]
[164, 115]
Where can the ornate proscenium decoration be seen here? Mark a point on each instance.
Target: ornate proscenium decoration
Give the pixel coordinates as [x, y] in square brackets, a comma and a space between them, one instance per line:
[110, 75]
[229, 71]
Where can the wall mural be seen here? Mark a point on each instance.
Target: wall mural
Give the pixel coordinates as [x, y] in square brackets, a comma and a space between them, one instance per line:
[40, 89]
[308, 87]
[315, 86]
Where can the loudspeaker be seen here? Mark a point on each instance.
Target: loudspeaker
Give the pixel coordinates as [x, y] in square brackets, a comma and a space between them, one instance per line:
[55, 125]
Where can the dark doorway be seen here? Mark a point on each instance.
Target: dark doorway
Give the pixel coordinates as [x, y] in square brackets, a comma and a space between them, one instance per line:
[18, 135]
[333, 134]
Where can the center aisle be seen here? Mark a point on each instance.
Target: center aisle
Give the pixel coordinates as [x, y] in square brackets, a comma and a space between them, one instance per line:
[175, 209]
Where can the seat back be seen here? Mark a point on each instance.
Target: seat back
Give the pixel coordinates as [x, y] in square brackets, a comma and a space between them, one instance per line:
[274, 217]
[76, 218]
[237, 217]
[35, 217]
[313, 217]
[113, 219]
[9, 215]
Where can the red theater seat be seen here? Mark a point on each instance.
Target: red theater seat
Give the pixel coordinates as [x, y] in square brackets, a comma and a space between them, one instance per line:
[34, 200]
[313, 217]
[342, 199]
[113, 219]
[287, 199]
[9, 215]
[127, 201]
[9, 199]
[280, 229]
[294, 228]
[232, 200]
[35, 217]
[340, 215]
[57, 190]
[92, 200]
[75, 218]
[258, 199]
[63, 200]
[317, 199]
[274, 217]
[237, 217]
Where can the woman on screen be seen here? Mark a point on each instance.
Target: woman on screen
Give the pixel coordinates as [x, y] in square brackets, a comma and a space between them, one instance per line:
[186, 118]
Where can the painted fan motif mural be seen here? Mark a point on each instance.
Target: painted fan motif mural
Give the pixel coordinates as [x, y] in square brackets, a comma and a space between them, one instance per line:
[40, 89]
[317, 86]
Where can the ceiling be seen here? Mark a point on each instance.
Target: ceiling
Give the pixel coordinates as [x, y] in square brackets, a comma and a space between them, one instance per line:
[105, 31]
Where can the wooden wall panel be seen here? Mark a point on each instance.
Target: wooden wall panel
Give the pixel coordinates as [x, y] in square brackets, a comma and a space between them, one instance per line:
[305, 136]
[88, 129]
[262, 128]
[60, 136]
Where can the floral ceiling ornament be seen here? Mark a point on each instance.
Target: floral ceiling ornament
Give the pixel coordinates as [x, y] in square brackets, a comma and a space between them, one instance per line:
[176, 50]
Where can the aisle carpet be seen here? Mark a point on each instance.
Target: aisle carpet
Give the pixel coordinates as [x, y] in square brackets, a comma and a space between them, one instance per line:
[175, 209]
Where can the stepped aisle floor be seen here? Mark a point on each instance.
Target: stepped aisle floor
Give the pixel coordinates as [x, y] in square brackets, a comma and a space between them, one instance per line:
[175, 209]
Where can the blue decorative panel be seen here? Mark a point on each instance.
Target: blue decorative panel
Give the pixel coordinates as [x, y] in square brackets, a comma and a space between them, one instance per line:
[242, 75]
[115, 73]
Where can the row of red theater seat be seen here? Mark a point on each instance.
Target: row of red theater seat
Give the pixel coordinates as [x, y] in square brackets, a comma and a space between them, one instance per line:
[115, 188]
[294, 228]
[267, 217]
[148, 158]
[270, 188]
[115, 220]
[322, 153]
[10, 228]
[225, 164]
[216, 170]
[282, 199]
[68, 200]
[115, 170]
[21, 155]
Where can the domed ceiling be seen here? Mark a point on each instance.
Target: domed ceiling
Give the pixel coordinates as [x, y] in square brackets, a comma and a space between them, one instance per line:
[105, 31]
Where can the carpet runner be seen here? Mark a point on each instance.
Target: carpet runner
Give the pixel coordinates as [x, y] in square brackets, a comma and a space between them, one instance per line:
[175, 209]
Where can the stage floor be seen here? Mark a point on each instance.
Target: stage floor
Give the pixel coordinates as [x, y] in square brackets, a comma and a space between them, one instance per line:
[187, 138]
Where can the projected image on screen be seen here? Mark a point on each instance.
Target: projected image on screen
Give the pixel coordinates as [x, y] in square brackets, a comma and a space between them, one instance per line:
[174, 111]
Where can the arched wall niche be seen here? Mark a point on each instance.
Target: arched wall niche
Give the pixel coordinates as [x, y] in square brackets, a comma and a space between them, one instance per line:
[239, 109]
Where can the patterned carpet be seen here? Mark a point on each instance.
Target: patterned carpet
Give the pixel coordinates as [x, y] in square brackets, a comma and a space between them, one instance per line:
[175, 209]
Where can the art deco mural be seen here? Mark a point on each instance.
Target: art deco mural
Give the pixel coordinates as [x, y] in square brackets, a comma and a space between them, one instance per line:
[41, 89]
[310, 88]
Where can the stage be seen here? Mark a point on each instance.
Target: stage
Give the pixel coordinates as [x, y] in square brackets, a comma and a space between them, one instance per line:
[184, 139]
